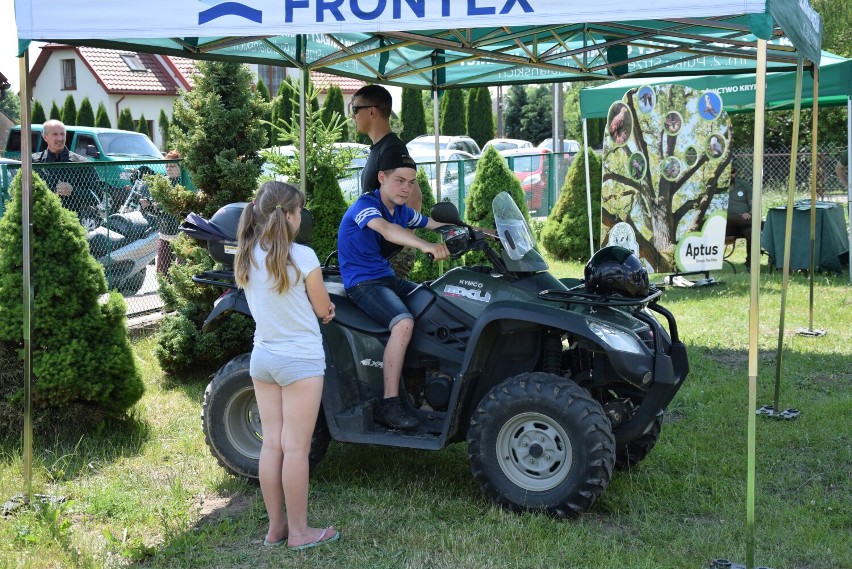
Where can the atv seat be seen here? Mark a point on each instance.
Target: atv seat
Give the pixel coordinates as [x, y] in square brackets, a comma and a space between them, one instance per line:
[350, 315]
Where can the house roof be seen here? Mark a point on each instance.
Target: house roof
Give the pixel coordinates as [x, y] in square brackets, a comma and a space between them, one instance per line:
[323, 81]
[157, 74]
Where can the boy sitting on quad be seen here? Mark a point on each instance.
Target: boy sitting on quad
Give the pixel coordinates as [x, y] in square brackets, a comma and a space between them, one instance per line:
[373, 228]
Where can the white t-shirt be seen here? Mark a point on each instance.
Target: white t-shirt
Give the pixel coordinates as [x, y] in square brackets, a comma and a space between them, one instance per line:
[285, 323]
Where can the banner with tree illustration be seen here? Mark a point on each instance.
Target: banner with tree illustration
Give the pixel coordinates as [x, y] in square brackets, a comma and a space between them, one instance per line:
[666, 171]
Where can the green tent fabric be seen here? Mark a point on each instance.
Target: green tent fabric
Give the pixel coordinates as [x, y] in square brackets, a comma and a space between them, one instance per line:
[738, 91]
[399, 43]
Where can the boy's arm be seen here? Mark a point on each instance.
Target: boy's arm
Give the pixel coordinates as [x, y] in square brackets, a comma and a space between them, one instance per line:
[402, 236]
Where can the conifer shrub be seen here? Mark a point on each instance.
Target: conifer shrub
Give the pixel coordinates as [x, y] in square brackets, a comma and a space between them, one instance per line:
[125, 120]
[80, 351]
[334, 104]
[163, 126]
[492, 177]
[69, 110]
[102, 117]
[86, 115]
[327, 207]
[55, 113]
[565, 234]
[142, 126]
[37, 113]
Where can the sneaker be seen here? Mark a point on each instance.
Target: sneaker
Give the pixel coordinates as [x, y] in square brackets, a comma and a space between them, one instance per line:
[392, 413]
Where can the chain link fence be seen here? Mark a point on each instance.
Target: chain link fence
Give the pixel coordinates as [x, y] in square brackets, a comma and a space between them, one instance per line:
[776, 171]
[127, 233]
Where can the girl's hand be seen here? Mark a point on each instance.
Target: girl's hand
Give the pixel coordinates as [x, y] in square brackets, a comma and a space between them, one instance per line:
[328, 317]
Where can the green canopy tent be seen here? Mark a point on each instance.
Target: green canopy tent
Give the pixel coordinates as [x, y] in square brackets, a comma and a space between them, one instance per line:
[432, 44]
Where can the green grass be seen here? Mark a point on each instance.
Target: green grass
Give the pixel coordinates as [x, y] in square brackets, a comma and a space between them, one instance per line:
[145, 492]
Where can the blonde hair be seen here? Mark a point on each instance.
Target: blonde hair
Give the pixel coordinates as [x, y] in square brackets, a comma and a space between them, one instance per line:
[264, 221]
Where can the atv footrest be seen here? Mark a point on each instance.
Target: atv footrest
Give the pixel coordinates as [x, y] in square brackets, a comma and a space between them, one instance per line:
[357, 419]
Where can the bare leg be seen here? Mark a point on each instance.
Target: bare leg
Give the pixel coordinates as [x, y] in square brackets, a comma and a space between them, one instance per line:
[271, 458]
[394, 356]
[300, 403]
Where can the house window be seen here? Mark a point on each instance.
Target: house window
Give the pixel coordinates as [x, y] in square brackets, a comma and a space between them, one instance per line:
[133, 62]
[273, 76]
[69, 75]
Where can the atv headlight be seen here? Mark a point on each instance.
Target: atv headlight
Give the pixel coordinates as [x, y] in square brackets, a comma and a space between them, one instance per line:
[616, 338]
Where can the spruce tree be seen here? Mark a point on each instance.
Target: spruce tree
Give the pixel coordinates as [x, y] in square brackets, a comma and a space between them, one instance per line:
[142, 126]
[327, 206]
[565, 234]
[102, 117]
[334, 104]
[86, 115]
[125, 120]
[217, 129]
[69, 111]
[37, 114]
[413, 115]
[452, 112]
[55, 113]
[492, 177]
[163, 126]
[282, 110]
[480, 120]
[81, 353]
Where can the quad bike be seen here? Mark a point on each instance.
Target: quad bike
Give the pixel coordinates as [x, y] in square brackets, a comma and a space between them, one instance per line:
[553, 383]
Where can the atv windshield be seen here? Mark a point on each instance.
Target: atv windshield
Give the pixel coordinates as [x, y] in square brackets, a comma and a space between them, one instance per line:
[511, 227]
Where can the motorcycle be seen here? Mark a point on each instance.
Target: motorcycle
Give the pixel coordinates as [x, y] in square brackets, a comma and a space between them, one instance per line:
[552, 385]
[125, 242]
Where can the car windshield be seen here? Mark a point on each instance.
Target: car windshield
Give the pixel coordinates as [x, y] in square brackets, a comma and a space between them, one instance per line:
[127, 144]
[425, 145]
[511, 227]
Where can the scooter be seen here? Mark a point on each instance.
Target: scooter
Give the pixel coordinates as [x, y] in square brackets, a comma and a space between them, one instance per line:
[553, 383]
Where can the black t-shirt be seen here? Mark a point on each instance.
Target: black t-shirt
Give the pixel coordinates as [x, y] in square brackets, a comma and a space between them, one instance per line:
[370, 173]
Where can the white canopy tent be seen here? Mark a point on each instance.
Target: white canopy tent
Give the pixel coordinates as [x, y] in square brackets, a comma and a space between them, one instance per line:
[438, 44]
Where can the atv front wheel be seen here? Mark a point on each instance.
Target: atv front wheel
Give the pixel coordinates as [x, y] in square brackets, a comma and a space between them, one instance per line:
[631, 454]
[538, 442]
[231, 421]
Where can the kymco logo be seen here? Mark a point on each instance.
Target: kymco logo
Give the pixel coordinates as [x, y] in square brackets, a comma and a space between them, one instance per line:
[220, 9]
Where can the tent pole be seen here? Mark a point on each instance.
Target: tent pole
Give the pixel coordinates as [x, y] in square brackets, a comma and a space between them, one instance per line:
[437, 129]
[303, 85]
[27, 226]
[754, 297]
[588, 189]
[788, 231]
[814, 124]
[849, 170]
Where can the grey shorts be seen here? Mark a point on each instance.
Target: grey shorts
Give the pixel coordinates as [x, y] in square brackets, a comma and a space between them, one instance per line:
[283, 370]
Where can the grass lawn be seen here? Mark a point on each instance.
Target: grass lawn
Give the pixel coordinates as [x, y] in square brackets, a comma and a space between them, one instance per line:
[145, 492]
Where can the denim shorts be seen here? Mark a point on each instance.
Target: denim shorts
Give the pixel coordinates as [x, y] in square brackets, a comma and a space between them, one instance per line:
[382, 299]
[267, 367]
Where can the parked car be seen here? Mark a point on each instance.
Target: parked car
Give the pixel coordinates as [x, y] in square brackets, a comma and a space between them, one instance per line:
[96, 144]
[425, 144]
[569, 146]
[452, 162]
[507, 144]
[532, 167]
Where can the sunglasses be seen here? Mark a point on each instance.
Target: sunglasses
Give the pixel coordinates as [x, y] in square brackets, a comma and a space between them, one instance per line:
[356, 108]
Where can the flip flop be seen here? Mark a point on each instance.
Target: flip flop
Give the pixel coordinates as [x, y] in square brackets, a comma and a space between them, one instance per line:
[274, 543]
[319, 541]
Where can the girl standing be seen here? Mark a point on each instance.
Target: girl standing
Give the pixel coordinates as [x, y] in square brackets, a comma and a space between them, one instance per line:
[286, 294]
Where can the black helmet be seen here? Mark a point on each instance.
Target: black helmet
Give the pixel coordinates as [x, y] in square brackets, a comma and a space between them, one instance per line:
[616, 270]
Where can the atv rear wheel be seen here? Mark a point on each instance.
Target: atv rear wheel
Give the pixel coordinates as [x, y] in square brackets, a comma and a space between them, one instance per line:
[538, 442]
[231, 421]
[631, 454]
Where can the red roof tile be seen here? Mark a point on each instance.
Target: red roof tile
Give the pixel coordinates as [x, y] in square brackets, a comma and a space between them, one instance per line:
[323, 81]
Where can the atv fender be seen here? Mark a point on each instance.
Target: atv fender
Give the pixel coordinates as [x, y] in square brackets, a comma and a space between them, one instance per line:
[232, 300]
[627, 365]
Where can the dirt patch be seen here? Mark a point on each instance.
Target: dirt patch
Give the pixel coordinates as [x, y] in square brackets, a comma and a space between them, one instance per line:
[212, 507]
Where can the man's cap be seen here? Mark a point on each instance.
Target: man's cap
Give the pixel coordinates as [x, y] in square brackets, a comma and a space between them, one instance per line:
[396, 158]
